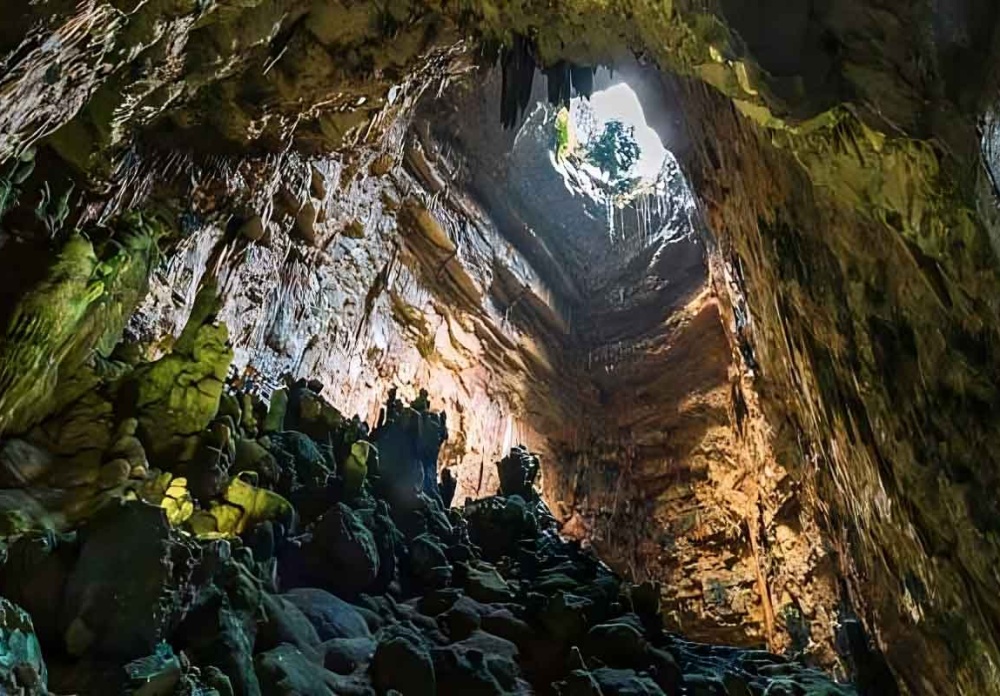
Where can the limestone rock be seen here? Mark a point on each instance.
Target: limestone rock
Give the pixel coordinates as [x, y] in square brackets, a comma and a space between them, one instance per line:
[348, 655]
[284, 671]
[404, 665]
[22, 463]
[22, 669]
[284, 623]
[124, 615]
[337, 553]
[178, 395]
[331, 616]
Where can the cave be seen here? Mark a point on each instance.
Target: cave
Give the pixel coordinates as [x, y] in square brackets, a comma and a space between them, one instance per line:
[348, 348]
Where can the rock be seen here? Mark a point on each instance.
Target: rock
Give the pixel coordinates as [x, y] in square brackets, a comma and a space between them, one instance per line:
[305, 223]
[484, 584]
[645, 599]
[666, 673]
[131, 585]
[447, 487]
[355, 468]
[285, 671]
[518, 471]
[178, 395]
[311, 414]
[253, 456]
[489, 645]
[317, 183]
[382, 165]
[497, 524]
[460, 621]
[428, 564]
[616, 645]
[283, 622]
[299, 461]
[22, 463]
[331, 616]
[215, 679]
[579, 682]
[550, 583]
[221, 630]
[338, 553]
[404, 665]
[34, 577]
[348, 655]
[625, 682]
[252, 229]
[156, 674]
[482, 664]
[501, 622]
[128, 447]
[274, 422]
[437, 601]
[408, 441]
[565, 617]
[114, 473]
[355, 229]
[22, 669]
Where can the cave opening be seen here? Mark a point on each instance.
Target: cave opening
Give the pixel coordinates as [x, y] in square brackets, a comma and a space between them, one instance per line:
[502, 348]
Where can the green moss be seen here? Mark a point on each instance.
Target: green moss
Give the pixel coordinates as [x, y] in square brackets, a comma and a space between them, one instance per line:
[564, 135]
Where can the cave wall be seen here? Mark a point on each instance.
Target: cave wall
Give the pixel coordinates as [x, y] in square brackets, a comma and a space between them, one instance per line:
[669, 472]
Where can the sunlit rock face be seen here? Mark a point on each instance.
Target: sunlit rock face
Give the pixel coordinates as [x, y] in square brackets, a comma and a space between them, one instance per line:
[837, 165]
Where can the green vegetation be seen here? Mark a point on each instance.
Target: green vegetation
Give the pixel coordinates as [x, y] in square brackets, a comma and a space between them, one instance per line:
[615, 151]
[565, 142]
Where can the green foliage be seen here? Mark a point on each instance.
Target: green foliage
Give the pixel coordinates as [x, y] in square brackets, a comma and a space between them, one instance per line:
[615, 150]
[563, 135]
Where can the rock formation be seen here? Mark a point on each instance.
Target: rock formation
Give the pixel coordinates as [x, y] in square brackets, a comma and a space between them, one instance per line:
[766, 403]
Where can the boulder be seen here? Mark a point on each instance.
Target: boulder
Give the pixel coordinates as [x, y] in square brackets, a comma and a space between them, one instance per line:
[310, 413]
[300, 462]
[178, 395]
[428, 566]
[251, 455]
[409, 440]
[517, 472]
[274, 421]
[22, 669]
[565, 617]
[616, 645]
[481, 664]
[283, 622]
[348, 655]
[337, 553]
[625, 682]
[403, 664]
[131, 585]
[221, 631]
[485, 584]
[285, 671]
[34, 577]
[331, 616]
[22, 463]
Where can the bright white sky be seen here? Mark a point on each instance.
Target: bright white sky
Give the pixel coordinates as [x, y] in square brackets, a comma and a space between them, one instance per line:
[620, 102]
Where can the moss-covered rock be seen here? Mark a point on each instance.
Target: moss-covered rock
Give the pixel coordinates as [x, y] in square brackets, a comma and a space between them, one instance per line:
[178, 395]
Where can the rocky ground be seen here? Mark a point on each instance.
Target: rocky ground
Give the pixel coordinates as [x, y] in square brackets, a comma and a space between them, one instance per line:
[166, 531]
